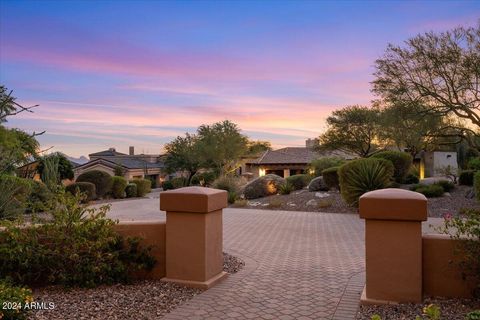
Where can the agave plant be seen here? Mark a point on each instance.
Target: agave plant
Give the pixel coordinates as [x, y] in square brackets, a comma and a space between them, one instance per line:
[360, 176]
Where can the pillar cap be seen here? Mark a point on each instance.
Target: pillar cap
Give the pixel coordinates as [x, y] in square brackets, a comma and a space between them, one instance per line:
[393, 204]
[193, 199]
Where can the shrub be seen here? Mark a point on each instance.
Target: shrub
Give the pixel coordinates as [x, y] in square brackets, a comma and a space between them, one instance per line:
[325, 203]
[38, 198]
[87, 189]
[118, 187]
[429, 191]
[318, 184]
[299, 181]
[241, 203]
[401, 161]
[318, 165]
[227, 183]
[286, 188]
[466, 177]
[167, 185]
[466, 227]
[330, 177]
[179, 182]
[101, 180]
[476, 184]
[12, 301]
[232, 196]
[144, 186]
[131, 190]
[411, 179]
[363, 175]
[446, 185]
[263, 186]
[474, 315]
[474, 164]
[13, 196]
[78, 246]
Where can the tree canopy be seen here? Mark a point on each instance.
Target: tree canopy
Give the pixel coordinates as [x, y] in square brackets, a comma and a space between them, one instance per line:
[441, 73]
[353, 129]
[63, 165]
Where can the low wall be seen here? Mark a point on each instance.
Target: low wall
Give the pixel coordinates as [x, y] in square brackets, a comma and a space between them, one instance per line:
[153, 233]
[442, 275]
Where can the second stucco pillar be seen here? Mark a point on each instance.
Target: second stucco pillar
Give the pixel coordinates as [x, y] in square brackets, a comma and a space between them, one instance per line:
[393, 245]
[194, 235]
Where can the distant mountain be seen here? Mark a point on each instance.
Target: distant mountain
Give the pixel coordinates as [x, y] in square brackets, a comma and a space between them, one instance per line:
[80, 160]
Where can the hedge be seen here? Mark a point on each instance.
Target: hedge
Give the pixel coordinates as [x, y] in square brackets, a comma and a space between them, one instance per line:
[86, 188]
[299, 181]
[401, 161]
[101, 180]
[144, 186]
[118, 187]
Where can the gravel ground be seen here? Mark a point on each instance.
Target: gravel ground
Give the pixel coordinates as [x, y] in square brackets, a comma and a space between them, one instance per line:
[451, 309]
[298, 201]
[149, 299]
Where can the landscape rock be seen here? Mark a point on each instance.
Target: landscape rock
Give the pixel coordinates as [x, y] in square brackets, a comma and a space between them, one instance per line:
[263, 186]
[321, 195]
[317, 184]
[312, 203]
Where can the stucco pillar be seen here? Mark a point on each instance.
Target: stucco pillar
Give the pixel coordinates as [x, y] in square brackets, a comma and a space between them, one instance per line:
[194, 235]
[393, 245]
[286, 173]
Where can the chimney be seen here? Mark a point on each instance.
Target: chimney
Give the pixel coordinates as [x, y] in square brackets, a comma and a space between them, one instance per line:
[131, 150]
[112, 149]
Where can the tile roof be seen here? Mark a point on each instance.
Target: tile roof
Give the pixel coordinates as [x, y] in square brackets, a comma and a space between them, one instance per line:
[126, 162]
[292, 155]
[107, 153]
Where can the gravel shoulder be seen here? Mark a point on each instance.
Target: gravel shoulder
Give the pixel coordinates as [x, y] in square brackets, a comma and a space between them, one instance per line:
[148, 299]
[332, 202]
[451, 309]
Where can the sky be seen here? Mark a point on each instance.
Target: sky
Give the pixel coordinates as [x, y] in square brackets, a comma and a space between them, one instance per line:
[139, 73]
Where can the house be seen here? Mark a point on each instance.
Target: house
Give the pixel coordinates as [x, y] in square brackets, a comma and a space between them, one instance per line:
[30, 171]
[432, 163]
[288, 161]
[133, 166]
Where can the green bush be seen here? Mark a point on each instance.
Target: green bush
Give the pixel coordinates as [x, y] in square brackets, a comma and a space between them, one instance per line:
[411, 179]
[474, 164]
[167, 185]
[144, 186]
[330, 177]
[227, 183]
[13, 300]
[39, 197]
[131, 190]
[118, 187]
[466, 177]
[14, 196]
[299, 181]
[232, 196]
[474, 315]
[476, 184]
[429, 191]
[286, 188]
[263, 186]
[318, 165]
[446, 185]
[79, 246]
[401, 161]
[101, 180]
[179, 182]
[87, 189]
[363, 175]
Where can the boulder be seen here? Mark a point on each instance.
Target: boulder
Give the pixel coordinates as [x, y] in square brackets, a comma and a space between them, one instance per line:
[317, 184]
[311, 203]
[263, 186]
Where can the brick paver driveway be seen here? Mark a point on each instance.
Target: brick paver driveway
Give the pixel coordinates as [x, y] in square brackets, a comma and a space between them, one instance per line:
[299, 265]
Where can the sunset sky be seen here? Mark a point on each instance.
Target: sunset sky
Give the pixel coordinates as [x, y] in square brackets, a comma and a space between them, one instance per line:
[119, 73]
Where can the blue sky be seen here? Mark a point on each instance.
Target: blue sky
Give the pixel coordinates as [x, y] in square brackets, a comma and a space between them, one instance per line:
[120, 73]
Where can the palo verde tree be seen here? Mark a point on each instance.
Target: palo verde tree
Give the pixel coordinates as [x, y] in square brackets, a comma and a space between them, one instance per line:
[441, 73]
[353, 129]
